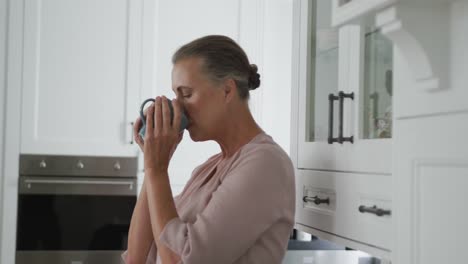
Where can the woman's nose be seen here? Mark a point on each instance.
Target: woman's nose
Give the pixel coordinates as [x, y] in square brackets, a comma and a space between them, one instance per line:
[182, 104]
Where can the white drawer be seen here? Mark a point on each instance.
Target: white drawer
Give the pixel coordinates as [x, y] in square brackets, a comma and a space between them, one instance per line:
[331, 202]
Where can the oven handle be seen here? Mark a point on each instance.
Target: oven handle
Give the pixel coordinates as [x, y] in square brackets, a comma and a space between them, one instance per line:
[79, 182]
[77, 186]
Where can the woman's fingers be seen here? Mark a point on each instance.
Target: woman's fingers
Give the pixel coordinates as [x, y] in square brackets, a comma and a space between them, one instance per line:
[177, 115]
[136, 132]
[157, 116]
[166, 115]
[149, 122]
[161, 113]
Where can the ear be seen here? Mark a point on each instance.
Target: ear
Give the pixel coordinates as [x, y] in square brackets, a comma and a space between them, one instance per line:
[230, 89]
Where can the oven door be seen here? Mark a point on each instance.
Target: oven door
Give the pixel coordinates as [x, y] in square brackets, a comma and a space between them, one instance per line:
[73, 219]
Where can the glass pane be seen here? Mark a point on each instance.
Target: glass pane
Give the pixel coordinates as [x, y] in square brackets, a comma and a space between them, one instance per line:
[376, 104]
[73, 222]
[343, 2]
[323, 71]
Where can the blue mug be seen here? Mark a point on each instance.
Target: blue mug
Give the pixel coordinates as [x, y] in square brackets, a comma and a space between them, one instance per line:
[183, 120]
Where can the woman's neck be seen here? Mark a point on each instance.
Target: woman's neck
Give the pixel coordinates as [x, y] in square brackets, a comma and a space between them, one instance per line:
[237, 132]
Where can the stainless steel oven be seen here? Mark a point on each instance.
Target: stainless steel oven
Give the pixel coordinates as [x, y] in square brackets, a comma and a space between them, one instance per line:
[74, 210]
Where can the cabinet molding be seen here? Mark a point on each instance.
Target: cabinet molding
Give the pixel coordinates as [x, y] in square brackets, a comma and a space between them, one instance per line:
[403, 25]
[354, 9]
[430, 56]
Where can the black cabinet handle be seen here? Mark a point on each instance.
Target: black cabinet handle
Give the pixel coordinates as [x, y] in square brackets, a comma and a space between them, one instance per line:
[374, 210]
[331, 99]
[342, 96]
[316, 200]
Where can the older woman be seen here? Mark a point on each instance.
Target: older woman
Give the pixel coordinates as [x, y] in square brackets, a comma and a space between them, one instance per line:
[238, 206]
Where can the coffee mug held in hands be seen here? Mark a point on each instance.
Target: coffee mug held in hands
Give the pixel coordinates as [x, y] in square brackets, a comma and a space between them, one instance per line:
[183, 119]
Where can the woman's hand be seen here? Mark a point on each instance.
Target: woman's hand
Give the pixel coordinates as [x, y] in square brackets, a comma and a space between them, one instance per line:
[161, 137]
[136, 132]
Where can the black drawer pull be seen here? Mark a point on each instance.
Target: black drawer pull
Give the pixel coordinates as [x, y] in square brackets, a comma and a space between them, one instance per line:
[316, 200]
[374, 210]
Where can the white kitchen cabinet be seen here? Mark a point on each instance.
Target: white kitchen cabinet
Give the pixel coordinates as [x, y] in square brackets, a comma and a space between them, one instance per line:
[431, 125]
[424, 187]
[350, 60]
[82, 76]
[354, 174]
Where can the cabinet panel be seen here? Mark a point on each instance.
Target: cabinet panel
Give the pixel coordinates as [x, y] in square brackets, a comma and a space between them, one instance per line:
[343, 204]
[80, 76]
[430, 190]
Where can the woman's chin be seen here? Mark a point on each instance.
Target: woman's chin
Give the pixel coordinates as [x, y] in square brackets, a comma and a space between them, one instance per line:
[192, 134]
[196, 137]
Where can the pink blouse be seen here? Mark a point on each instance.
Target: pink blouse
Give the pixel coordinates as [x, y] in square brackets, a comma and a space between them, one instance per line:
[244, 213]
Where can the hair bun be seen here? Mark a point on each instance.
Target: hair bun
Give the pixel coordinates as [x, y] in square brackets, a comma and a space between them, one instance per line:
[254, 77]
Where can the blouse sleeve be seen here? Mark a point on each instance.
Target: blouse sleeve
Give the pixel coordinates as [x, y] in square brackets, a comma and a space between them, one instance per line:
[249, 200]
[150, 259]
[152, 254]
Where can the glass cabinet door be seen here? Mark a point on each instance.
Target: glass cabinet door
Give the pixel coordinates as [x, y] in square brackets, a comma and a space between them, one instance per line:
[376, 104]
[323, 71]
[371, 79]
[321, 63]
[354, 64]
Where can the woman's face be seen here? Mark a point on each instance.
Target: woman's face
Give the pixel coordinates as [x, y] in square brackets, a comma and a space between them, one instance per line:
[202, 99]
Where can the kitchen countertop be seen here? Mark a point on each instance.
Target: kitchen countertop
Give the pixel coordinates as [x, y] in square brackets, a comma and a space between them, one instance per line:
[328, 257]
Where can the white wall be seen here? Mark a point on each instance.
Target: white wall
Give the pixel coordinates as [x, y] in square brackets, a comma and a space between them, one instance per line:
[263, 28]
[11, 126]
[176, 23]
[3, 12]
[3, 16]
[176, 27]
[276, 78]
